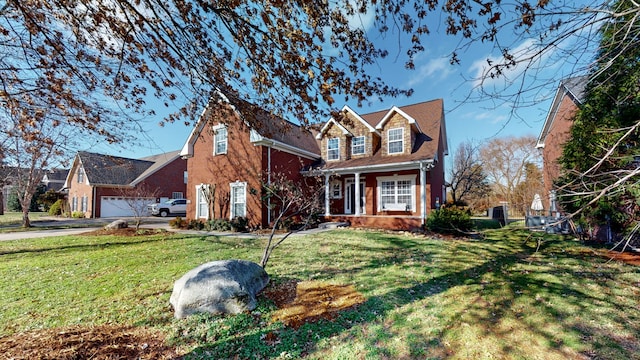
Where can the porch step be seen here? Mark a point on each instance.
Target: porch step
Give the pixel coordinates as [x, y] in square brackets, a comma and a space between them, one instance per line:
[334, 225]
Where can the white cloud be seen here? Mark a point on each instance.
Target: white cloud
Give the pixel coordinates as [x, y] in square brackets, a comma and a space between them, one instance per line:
[528, 55]
[439, 68]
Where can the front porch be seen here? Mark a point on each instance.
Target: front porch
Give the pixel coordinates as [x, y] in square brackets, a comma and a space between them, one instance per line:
[387, 222]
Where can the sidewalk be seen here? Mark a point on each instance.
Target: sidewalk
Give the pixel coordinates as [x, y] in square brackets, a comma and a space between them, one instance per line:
[96, 224]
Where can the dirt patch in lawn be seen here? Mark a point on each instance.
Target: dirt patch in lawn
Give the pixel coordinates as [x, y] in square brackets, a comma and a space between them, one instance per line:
[82, 342]
[297, 302]
[309, 301]
[627, 257]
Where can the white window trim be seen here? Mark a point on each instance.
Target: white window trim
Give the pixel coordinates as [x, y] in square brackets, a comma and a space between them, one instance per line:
[401, 141]
[331, 187]
[337, 149]
[397, 178]
[215, 140]
[200, 198]
[364, 146]
[232, 186]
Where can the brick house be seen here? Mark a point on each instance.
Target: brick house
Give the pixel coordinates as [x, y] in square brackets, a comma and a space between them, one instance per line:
[103, 185]
[397, 158]
[556, 130]
[227, 155]
[396, 155]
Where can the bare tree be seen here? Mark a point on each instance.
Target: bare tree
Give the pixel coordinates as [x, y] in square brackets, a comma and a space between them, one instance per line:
[209, 193]
[137, 199]
[505, 161]
[467, 178]
[289, 58]
[30, 147]
[300, 201]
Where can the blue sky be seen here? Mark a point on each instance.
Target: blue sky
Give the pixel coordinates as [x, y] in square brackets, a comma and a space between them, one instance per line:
[469, 114]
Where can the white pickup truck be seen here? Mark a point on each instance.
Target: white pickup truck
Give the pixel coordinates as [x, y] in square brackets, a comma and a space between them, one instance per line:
[170, 207]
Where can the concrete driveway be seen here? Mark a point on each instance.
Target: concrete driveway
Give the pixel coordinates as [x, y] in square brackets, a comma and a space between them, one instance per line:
[76, 226]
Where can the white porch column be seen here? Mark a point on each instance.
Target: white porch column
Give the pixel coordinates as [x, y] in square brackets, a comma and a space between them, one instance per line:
[357, 194]
[327, 207]
[423, 193]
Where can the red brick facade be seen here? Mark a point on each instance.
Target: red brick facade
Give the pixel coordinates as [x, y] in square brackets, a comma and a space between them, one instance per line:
[557, 129]
[401, 177]
[245, 163]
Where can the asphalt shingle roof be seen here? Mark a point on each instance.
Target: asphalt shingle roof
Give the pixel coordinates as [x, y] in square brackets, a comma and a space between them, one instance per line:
[103, 169]
[429, 117]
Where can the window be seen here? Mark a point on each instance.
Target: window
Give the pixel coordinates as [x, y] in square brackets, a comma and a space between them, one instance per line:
[336, 189]
[185, 177]
[74, 204]
[202, 205]
[177, 195]
[395, 139]
[333, 149]
[220, 142]
[397, 193]
[83, 205]
[80, 175]
[357, 145]
[238, 199]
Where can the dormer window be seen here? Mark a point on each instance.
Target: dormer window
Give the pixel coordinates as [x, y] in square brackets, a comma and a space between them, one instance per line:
[357, 145]
[220, 141]
[395, 139]
[333, 149]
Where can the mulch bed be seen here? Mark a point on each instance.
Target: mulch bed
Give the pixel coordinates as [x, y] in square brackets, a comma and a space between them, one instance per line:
[83, 342]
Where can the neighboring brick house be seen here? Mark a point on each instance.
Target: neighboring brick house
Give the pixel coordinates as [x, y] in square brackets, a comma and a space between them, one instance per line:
[226, 155]
[397, 158]
[556, 130]
[98, 185]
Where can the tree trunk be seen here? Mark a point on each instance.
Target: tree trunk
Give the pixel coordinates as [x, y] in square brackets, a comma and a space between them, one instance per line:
[26, 223]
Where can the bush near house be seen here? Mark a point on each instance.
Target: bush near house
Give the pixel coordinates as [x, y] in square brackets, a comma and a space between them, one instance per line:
[450, 220]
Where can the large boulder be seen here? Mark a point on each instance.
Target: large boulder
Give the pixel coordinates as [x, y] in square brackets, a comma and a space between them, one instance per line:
[226, 286]
[117, 224]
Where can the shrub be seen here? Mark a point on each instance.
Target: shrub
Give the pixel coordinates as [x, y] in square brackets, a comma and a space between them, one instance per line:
[178, 223]
[195, 225]
[219, 225]
[56, 208]
[239, 224]
[450, 220]
[77, 215]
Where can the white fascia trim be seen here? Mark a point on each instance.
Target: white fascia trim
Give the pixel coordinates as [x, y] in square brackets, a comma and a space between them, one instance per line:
[187, 149]
[386, 118]
[409, 165]
[326, 126]
[258, 140]
[357, 116]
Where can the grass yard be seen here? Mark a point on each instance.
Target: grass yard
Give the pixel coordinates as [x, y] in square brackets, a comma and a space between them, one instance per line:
[12, 218]
[419, 298]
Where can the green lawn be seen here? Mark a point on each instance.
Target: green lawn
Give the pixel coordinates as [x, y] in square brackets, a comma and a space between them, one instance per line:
[15, 218]
[494, 298]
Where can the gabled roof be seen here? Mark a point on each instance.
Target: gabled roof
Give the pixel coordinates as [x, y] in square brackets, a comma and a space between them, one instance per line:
[431, 129]
[574, 88]
[346, 109]
[267, 130]
[108, 170]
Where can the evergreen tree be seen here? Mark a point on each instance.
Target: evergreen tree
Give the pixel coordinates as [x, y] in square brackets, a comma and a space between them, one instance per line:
[600, 160]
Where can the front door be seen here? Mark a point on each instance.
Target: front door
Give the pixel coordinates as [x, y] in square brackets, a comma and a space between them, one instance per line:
[350, 197]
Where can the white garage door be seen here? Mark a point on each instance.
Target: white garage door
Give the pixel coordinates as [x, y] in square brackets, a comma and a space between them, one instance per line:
[112, 206]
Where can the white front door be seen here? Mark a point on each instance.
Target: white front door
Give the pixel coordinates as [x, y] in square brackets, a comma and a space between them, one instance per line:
[350, 197]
